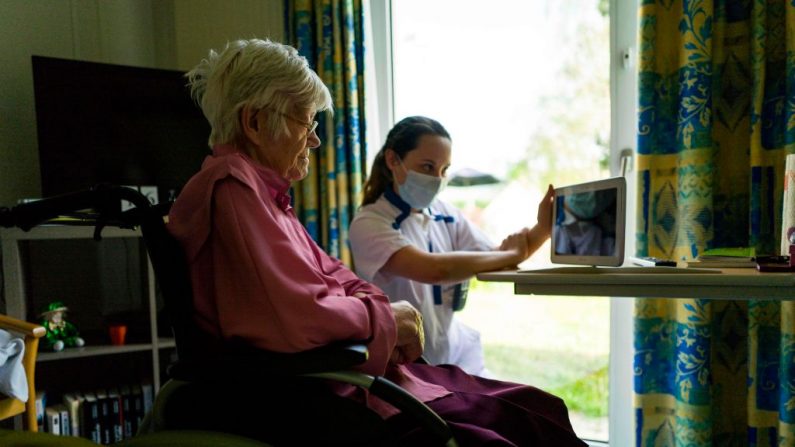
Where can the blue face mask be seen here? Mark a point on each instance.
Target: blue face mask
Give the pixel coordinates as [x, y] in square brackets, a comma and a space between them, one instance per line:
[419, 190]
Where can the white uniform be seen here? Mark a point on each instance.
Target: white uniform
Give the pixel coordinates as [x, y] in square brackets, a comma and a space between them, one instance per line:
[384, 227]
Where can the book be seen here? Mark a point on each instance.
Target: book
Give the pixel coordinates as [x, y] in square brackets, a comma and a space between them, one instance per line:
[148, 396]
[52, 419]
[725, 257]
[105, 420]
[129, 423]
[66, 425]
[90, 427]
[138, 406]
[722, 263]
[41, 402]
[73, 402]
[116, 421]
[729, 252]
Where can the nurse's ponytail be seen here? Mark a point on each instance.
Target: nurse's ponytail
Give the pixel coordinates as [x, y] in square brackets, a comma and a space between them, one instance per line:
[403, 138]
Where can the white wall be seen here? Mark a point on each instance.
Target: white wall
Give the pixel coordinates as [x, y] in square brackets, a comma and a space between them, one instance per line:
[173, 34]
[204, 24]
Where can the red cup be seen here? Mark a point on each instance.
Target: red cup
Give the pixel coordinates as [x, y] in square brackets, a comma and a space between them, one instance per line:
[117, 334]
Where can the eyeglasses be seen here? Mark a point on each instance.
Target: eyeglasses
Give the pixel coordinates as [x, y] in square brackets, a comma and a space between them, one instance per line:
[310, 127]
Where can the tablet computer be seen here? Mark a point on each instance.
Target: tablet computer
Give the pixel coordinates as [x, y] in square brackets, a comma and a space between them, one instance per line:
[589, 222]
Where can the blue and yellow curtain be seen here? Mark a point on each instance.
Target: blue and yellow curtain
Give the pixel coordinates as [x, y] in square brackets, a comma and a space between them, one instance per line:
[329, 33]
[716, 120]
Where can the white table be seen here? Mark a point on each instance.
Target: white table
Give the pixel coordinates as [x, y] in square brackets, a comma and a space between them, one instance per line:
[738, 284]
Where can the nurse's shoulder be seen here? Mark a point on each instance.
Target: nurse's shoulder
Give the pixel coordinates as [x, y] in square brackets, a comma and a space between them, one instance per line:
[380, 210]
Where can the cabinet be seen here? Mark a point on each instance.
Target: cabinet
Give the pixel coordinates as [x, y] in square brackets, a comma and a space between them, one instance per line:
[102, 282]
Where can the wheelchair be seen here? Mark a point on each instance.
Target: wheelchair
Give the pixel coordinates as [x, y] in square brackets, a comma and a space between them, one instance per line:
[282, 399]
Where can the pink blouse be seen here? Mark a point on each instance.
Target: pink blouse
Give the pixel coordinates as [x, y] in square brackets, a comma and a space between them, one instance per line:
[259, 277]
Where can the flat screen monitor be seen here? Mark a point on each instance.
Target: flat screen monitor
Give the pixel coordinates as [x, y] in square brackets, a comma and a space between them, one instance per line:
[589, 223]
[103, 123]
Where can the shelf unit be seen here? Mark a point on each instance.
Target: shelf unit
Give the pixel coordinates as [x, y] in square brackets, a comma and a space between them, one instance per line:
[16, 298]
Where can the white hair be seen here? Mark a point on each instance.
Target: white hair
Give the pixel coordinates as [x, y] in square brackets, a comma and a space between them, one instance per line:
[259, 73]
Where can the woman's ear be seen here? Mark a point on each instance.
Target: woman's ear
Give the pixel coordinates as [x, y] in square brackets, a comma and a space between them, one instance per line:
[249, 120]
[391, 159]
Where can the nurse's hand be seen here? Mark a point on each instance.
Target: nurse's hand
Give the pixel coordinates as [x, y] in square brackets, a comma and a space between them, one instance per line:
[410, 335]
[545, 212]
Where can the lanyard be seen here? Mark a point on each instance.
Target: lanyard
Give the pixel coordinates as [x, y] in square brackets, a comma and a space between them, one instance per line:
[460, 291]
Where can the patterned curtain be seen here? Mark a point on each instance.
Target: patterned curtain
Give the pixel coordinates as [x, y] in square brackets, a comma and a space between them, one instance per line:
[716, 120]
[329, 33]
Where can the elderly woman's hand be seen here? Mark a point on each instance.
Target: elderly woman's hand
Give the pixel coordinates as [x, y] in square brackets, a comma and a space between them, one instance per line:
[410, 335]
[517, 243]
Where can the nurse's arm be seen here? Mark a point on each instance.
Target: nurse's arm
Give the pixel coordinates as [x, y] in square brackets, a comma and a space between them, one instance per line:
[438, 268]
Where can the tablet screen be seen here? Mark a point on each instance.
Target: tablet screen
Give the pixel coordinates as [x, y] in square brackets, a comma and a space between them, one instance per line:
[588, 223]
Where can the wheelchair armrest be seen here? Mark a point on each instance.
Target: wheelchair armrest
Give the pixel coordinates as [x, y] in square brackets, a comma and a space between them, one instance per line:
[249, 362]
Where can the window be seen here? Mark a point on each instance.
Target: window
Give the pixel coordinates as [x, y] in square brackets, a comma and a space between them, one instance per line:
[524, 89]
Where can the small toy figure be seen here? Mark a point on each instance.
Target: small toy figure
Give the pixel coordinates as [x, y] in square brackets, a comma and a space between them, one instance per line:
[60, 333]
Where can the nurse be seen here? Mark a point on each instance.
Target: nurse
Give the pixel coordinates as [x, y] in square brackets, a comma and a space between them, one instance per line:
[417, 248]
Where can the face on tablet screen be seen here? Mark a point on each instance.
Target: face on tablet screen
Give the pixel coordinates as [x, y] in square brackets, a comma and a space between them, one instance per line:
[589, 223]
[586, 223]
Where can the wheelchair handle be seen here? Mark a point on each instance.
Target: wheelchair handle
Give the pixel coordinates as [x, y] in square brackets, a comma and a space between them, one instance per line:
[103, 198]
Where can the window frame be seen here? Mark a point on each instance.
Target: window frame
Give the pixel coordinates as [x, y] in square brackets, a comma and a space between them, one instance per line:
[623, 142]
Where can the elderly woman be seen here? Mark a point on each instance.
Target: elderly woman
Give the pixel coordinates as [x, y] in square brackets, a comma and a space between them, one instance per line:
[259, 278]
